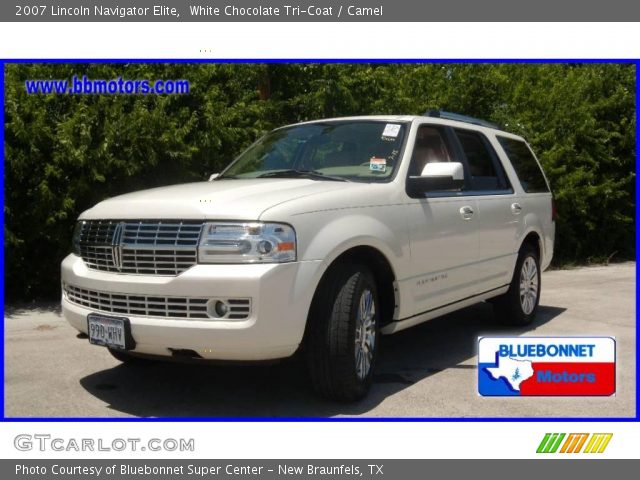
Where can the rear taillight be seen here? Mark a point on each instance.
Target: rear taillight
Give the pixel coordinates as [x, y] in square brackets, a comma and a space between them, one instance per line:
[554, 210]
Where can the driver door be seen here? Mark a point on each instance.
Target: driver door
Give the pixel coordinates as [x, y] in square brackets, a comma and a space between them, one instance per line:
[443, 229]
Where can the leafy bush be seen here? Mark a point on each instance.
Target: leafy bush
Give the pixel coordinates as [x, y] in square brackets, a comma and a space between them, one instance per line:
[65, 153]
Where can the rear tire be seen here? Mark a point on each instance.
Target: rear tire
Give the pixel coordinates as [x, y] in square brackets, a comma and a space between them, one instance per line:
[344, 333]
[519, 305]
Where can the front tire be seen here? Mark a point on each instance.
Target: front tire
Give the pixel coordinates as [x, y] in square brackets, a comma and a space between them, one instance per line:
[344, 333]
[519, 305]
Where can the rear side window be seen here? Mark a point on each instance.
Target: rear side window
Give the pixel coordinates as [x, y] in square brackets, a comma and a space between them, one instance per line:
[525, 165]
[480, 160]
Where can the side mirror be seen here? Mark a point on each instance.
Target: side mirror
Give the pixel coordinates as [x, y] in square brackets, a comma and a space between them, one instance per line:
[214, 176]
[435, 177]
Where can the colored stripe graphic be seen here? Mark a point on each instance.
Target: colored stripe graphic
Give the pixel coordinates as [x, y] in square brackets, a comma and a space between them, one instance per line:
[606, 442]
[550, 443]
[581, 443]
[543, 443]
[597, 443]
[574, 443]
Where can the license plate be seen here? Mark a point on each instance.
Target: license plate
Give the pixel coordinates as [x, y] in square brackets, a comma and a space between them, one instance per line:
[114, 332]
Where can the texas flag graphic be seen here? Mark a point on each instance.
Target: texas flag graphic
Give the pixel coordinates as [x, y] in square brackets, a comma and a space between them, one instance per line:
[546, 366]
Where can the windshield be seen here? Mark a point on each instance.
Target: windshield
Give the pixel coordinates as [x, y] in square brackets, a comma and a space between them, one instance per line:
[347, 150]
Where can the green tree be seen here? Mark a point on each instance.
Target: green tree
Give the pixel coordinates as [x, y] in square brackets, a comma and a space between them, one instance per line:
[64, 153]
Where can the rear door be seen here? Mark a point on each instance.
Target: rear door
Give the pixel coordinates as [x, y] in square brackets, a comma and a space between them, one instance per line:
[534, 197]
[499, 214]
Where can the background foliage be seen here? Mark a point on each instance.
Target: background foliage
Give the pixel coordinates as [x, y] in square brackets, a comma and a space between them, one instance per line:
[63, 154]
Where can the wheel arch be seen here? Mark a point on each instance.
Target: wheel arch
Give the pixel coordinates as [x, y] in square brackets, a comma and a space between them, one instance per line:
[382, 270]
[534, 239]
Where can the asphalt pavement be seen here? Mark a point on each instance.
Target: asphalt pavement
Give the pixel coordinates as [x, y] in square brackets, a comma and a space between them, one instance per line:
[427, 371]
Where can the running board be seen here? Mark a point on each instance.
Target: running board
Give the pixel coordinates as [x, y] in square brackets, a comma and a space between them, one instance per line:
[399, 325]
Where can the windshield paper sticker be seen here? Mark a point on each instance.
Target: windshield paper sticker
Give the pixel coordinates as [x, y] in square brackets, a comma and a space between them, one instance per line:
[391, 130]
[377, 164]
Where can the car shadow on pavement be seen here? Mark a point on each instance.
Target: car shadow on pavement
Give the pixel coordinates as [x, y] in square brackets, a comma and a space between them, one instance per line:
[283, 389]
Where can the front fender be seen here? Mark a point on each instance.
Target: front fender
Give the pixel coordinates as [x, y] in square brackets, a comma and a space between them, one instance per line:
[334, 236]
[324, 241]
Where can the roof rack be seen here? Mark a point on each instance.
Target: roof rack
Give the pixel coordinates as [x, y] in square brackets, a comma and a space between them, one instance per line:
[460, 118]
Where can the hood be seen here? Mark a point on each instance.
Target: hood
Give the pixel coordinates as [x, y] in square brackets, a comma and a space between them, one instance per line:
[222, 199]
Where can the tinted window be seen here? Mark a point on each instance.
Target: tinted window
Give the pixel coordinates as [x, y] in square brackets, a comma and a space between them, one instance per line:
[430, 147]
[525, 165]
[480, 161]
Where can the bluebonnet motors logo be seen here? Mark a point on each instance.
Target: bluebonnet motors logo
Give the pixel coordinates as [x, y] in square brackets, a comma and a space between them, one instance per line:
[546, 366]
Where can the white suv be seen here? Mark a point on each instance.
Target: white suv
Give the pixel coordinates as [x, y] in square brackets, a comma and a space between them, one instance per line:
[319, 238]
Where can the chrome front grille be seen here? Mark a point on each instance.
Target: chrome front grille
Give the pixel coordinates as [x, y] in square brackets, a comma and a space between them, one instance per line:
[140, 305]
[157, 262]
[98, 258]
[96, 232]
[143, 247]
[172, 234]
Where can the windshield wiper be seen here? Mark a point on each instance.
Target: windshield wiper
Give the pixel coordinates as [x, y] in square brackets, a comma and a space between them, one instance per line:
[314, 174]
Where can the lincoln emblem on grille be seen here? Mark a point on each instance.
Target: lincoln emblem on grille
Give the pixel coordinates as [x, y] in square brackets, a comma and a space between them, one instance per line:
[116, 243]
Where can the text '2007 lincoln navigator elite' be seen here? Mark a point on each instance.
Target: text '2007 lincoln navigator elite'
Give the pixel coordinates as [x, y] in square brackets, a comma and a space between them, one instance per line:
[319, 238]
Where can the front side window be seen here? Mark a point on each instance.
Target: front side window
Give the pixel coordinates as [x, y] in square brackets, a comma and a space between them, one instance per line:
[430, 147]
[367, 151]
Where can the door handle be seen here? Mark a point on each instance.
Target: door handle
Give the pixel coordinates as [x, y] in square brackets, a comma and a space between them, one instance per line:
[516, 208]
[466, 212]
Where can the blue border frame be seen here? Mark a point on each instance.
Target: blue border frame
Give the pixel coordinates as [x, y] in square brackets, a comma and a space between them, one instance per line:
[636, 418]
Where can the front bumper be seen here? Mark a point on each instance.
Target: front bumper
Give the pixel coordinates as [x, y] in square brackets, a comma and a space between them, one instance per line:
[280, 298]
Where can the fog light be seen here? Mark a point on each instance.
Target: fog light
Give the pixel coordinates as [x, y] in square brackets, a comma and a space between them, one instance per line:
[221, 308]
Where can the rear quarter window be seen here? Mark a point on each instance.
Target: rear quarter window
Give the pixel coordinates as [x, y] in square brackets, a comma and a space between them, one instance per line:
[525, 164]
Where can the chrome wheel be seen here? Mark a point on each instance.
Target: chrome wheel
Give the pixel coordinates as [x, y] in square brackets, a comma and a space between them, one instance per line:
[528, 285]
[365, 338]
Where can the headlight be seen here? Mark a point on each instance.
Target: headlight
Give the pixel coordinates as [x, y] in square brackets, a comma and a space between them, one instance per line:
[75, 242]
[255, 242]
